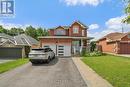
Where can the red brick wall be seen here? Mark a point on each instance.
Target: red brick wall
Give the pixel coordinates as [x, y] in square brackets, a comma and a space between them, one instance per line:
[107, 47]
[80, 30]
[125, 38]
[51, 32]
[69, 32]
[55, 41]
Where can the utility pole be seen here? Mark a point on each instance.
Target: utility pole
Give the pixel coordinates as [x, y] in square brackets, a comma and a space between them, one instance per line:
[122, 28]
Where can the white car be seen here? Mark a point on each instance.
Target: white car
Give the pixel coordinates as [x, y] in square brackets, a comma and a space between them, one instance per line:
[41, 55]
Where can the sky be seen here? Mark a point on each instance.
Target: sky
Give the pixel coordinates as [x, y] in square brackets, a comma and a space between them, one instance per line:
[101, 16]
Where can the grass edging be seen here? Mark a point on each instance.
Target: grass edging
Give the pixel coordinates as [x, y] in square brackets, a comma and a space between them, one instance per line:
[115, 69]
[12, 64]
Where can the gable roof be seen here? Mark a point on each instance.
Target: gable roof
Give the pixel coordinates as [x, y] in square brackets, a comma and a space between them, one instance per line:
[11, 41]
[25, 40]
[19, 39]
[82, 25]
[5, 36]
[67, 27]
[114, 36]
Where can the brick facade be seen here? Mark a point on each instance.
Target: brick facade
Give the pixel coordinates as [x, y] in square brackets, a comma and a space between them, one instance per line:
[121, 46]
[80, 30]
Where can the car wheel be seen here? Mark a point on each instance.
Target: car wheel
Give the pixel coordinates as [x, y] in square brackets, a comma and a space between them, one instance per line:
[33, 62]
[48, 60]
[54, 57]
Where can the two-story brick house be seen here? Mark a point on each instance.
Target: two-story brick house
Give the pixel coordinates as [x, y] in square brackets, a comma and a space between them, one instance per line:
[66, 40]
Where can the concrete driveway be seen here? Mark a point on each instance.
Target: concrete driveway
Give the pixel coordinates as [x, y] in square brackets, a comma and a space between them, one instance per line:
[59, 73]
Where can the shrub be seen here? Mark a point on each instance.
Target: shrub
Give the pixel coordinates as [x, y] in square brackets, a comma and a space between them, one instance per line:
[91, 54]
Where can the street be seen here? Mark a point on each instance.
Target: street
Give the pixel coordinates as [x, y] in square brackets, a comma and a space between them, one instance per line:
[60, 72]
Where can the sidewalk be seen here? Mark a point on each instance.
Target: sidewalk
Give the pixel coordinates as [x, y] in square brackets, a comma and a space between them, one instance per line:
[91, 78]
[122, 55]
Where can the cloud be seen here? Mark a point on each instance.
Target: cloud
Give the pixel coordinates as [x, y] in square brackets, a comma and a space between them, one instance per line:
[13, 25]
[82, 2]
[93, 26]
[115, 23]
[112, 25]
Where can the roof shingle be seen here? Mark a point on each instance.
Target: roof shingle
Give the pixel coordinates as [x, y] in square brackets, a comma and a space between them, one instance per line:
[114, 36]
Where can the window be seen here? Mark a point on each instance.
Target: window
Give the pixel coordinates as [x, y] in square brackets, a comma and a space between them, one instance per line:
[46, 46]
[75, 29]
[83, 33]
[60, 32]
[129, 36]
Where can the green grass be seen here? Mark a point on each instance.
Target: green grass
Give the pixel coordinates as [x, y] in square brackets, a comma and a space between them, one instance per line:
[12, 64]
[112, 68]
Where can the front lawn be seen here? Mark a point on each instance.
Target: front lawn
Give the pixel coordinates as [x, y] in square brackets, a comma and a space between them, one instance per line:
[12, 64]
[113, 68]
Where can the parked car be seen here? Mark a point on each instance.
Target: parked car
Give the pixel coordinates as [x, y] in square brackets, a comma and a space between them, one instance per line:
[41, 55]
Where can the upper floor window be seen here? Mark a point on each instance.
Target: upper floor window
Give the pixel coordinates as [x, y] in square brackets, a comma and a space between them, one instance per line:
[75, 29]
[83, 32]
[60, 32]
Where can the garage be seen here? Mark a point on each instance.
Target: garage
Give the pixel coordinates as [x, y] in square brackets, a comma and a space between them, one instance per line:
[124, 48]
[60, 49]
[10, 52]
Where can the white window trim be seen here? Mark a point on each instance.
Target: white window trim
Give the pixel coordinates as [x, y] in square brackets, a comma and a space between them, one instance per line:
[83, 32]
[75, 29]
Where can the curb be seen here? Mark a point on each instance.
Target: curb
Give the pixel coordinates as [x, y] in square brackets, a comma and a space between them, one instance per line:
[91, 78]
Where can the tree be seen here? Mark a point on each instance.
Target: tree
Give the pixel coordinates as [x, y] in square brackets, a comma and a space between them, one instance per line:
[127, 11]
[40, 32]
[45, 32]
[93, 46]
[20, 31]
[2, 30]
[31, 31]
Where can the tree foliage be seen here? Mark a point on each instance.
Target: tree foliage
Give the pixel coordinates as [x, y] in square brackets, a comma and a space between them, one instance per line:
[92, 46]
[127, 11]
[31, 31]
[2, 30]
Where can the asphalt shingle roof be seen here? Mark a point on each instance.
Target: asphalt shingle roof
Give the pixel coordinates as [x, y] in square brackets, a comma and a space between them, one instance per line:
[25, 39]
[5, 36]
[67, 27]
[114, 36]
[20, 39]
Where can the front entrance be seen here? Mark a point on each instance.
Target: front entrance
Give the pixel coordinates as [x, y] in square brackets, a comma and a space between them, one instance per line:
[60, 49]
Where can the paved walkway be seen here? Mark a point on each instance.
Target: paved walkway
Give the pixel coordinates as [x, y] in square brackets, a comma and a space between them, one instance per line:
[123, 55]
[91, 78]
[60, 72]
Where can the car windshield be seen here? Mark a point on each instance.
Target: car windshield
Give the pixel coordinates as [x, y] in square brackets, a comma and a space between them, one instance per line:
[37, 50]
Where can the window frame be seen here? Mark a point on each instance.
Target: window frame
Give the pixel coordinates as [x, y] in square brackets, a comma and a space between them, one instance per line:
[60, 32]
[75, 29]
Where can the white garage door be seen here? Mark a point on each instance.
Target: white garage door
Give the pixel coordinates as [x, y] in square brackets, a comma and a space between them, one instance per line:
[60, 49]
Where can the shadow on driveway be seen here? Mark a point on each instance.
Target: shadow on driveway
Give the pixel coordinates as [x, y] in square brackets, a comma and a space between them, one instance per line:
[51, 63]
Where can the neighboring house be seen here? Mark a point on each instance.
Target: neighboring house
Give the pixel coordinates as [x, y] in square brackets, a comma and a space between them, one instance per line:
[66, 40]
[118, 43]
[17, 46]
